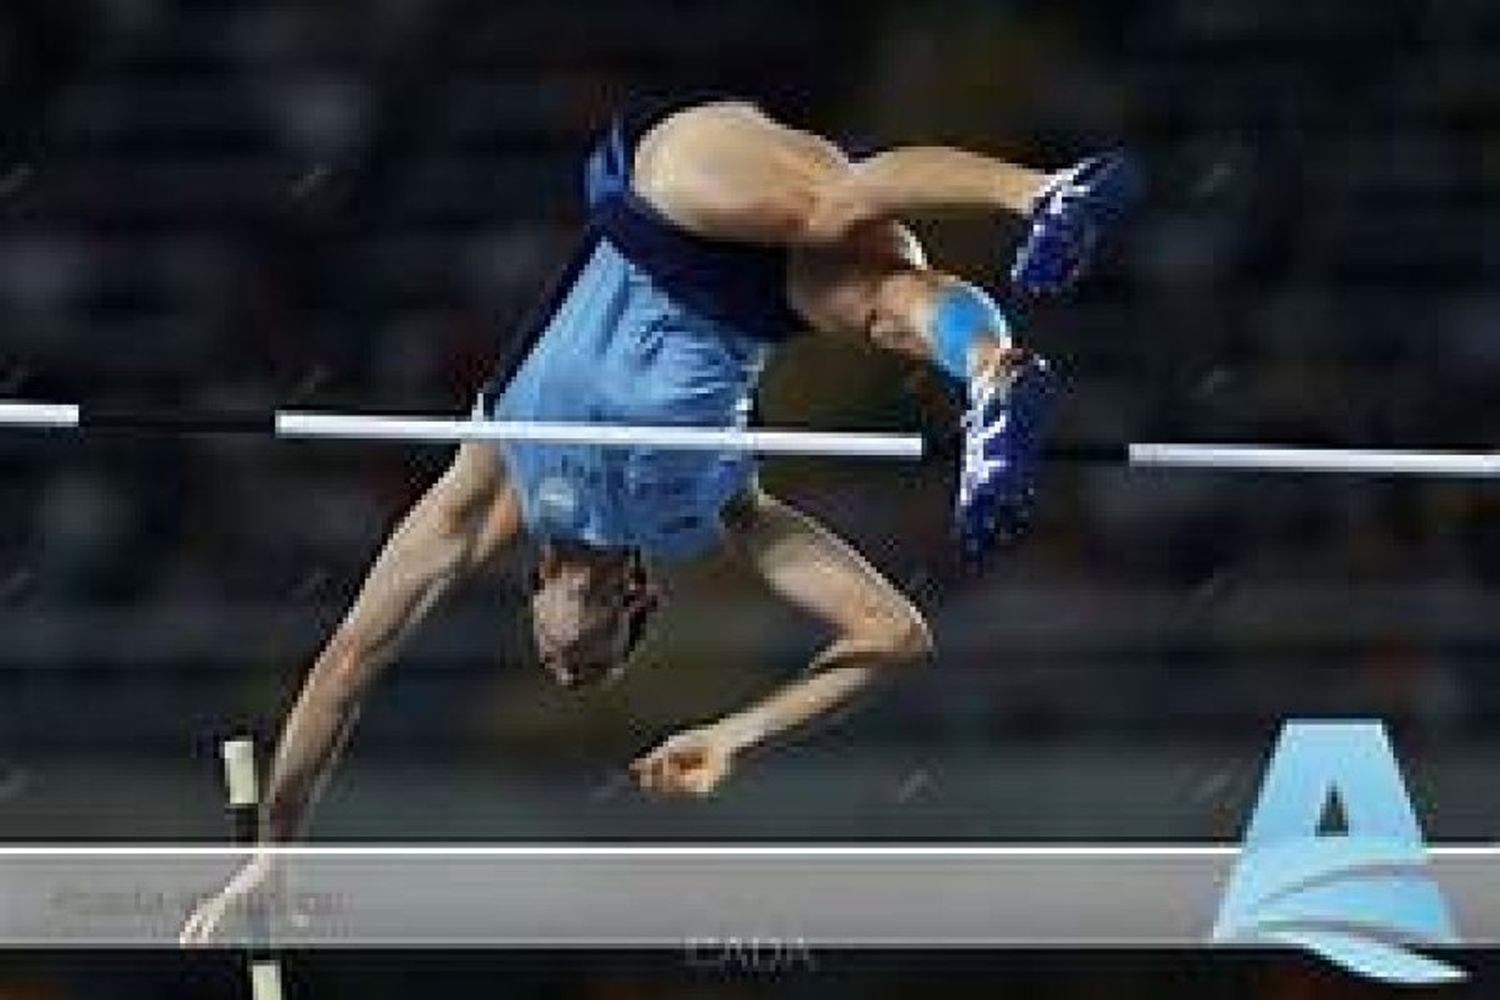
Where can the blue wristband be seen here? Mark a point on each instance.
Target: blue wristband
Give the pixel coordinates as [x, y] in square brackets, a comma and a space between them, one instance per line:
[962, 313]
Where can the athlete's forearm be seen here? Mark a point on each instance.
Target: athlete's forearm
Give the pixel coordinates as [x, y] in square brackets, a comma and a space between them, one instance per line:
[328, 707]
[924, 181]
[315, 733]
[442, 537]
[840, 673]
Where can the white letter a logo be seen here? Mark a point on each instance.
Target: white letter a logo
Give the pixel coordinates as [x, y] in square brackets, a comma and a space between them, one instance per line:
[1358, 898]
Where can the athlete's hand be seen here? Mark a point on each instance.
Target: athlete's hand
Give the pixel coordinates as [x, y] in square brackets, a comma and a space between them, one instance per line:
[207, 919]
[693, 762]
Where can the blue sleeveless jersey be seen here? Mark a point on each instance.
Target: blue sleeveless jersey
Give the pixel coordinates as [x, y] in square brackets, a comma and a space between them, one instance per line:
[649, 325]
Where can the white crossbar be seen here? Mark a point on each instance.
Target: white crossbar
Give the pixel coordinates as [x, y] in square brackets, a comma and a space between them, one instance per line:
[292, 424]
[1242, 458]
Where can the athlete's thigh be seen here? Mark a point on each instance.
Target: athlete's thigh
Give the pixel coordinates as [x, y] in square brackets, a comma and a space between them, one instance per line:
[729, 171]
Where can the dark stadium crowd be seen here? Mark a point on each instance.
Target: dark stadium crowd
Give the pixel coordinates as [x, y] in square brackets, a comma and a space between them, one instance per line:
[233, 206]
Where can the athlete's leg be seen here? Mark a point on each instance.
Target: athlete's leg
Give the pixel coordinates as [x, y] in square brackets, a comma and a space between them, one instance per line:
[880, 289]
[729, 171]
[884, 292]
[874, 628]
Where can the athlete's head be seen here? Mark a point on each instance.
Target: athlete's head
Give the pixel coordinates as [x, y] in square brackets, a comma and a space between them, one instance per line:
[590, 609]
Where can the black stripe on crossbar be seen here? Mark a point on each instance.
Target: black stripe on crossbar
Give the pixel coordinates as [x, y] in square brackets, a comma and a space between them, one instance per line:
[1090, 454]
[177, 422]
[948, 447]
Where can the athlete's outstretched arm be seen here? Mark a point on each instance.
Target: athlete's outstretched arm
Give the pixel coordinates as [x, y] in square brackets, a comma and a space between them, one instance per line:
[466, 518]
[875, 628]
[463, 520]
[728, 171]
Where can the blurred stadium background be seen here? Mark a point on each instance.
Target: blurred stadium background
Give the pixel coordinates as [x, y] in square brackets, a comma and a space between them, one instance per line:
[352, 205]
[235, 204]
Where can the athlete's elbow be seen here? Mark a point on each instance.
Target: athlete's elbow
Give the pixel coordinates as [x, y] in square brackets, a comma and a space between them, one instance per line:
[916, 646]
[903, 638]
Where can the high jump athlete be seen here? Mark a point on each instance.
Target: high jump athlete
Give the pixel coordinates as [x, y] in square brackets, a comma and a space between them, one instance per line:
[713, 232]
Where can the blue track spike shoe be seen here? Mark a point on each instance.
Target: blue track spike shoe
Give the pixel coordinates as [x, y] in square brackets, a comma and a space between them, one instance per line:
[1003, 432]
[1073, 218]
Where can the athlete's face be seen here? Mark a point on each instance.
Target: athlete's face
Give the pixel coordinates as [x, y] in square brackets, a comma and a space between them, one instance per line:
[589, 610]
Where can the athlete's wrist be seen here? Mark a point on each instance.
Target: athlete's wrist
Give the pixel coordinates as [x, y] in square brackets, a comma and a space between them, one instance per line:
[739, 731]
